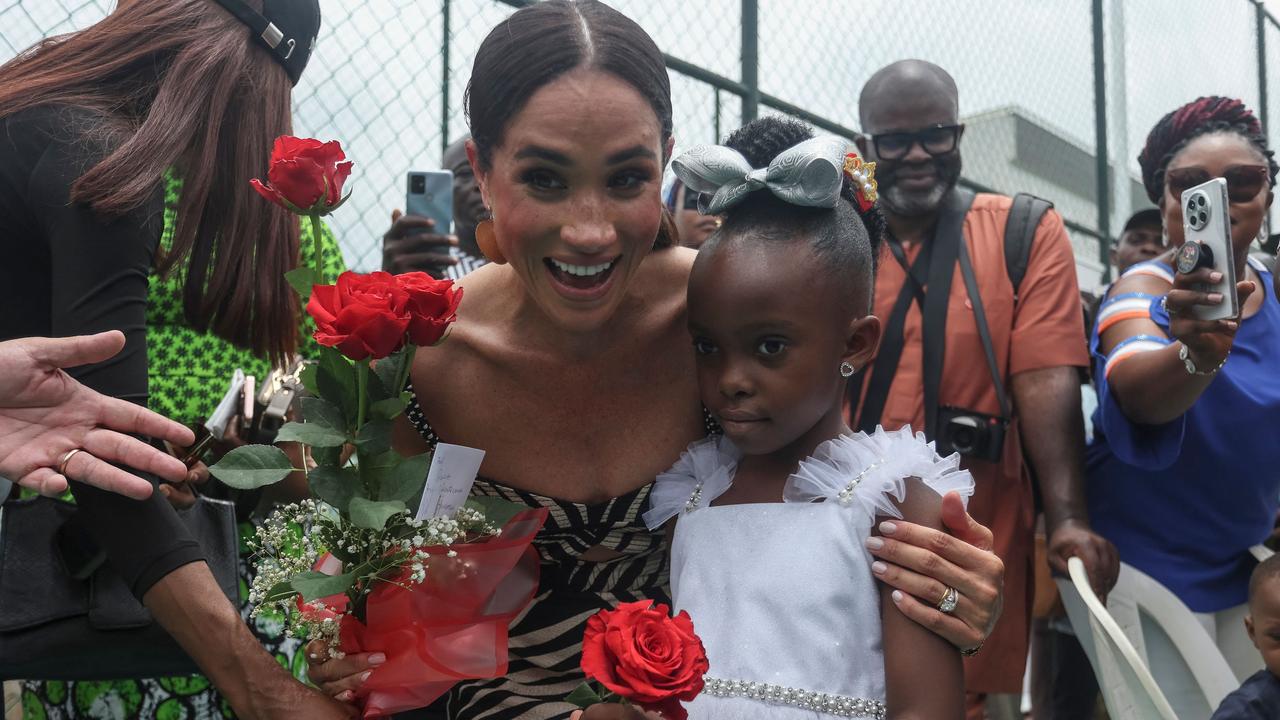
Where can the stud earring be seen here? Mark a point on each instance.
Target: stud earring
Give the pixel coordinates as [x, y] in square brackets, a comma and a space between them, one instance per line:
[488, 242]
[847, 370]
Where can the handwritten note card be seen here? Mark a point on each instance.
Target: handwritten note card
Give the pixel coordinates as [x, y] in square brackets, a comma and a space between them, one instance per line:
[453, 472]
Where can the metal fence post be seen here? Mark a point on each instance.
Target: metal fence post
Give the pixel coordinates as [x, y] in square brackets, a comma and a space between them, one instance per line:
[444, 79]
[1262, 64]
[750, 59]
[1100, 131]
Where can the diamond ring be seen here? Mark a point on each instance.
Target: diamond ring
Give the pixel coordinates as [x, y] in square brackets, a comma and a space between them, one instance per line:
[947, 604]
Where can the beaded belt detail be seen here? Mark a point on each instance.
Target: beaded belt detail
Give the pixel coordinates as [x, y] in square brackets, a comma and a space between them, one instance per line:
[838, 705]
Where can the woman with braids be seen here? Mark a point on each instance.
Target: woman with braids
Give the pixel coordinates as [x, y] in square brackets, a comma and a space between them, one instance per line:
[126, 150]
[571, 363]
[1182, 468]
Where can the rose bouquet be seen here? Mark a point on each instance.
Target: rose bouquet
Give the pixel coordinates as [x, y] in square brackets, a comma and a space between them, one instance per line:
[639, 654]
[354, 565]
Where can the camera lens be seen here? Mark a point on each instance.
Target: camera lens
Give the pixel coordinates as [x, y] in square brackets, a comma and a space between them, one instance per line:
[417, 184]
[1203, 218]
[963, 439]
[1200, 200]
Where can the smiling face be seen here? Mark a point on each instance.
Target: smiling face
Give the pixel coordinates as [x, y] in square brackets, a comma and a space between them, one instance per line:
[1212, 156]
[575, 194]
[770, 333]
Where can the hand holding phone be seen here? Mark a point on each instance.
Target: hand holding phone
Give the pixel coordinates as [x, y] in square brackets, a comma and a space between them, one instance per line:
[1207, 227]
[420, 239]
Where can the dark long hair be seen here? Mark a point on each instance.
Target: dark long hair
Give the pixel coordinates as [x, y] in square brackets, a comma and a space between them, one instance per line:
[179, 84]
[543, 41]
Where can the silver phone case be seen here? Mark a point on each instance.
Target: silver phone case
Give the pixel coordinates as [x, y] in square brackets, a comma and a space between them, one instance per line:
[1206, 219]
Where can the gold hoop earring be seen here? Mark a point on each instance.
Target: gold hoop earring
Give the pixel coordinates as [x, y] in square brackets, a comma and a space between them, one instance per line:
[488, 242]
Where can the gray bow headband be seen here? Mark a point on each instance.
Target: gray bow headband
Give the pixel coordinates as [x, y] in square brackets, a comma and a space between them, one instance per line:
[809, 174]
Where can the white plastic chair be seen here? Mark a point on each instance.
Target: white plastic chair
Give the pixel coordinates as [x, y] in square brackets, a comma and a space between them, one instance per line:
[1127, 686]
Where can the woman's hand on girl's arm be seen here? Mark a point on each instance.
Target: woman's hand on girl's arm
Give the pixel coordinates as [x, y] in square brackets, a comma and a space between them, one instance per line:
[912, 651]
[922, 562]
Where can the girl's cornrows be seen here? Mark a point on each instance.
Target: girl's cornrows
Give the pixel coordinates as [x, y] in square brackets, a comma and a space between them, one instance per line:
[1200, 117]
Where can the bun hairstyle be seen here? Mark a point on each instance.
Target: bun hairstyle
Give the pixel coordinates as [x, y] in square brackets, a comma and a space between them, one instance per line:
[1203, 116]
[846, 239]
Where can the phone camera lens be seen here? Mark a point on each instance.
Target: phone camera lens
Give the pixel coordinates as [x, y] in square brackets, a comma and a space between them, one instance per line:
[418, 184]
[1203, 218]
[1200, 201]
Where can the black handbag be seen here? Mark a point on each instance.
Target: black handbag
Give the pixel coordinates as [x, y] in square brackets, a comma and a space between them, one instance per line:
[54, 626]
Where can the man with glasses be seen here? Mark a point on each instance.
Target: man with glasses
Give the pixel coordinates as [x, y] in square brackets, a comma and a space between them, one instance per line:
[943, 366]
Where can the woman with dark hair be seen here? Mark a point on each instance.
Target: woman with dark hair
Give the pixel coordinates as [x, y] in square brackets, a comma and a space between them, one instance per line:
[571, 364]
[1181, 468]
[183, 97]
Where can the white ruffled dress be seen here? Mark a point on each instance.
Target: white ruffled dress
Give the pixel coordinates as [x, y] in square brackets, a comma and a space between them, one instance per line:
[782, 594]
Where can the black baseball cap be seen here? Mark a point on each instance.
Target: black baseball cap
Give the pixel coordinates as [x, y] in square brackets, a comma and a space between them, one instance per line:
[287, 28]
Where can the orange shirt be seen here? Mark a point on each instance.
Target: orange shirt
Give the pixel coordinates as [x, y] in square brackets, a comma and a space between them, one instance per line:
[1043, 329]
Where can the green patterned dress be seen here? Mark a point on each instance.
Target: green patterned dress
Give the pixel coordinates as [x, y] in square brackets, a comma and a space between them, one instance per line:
[188, 372]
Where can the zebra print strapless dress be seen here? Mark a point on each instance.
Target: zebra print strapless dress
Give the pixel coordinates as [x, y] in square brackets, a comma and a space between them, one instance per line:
[546, 641]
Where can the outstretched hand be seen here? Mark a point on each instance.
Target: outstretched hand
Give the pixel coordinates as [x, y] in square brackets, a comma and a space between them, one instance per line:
[45, 414]
[923, 563]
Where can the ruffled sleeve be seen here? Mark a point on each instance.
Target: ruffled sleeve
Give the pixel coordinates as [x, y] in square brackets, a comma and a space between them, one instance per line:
[701, 475]
[869, 472]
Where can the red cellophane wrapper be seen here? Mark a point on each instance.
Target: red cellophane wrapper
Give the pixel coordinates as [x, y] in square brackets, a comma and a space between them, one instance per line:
[451, 627]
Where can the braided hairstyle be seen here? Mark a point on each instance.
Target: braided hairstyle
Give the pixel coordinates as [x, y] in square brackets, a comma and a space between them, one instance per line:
[846, 238]
[1213, 114]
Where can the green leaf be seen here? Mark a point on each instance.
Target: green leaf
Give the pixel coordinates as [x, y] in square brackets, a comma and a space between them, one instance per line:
[583, 696]
[323, 413]
[390, 408]
[496, 510]
[391, 368]
[405, 481]
[336, 381]
[252, 466]
[372, 515]
[313, 434]
[301, 279]
[336, 486]
[327, 456]
[278, 592]
[312, 585]
[308, 378]
[374, 437]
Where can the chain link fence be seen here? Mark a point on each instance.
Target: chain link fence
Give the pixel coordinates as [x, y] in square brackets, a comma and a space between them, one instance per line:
[389, 75]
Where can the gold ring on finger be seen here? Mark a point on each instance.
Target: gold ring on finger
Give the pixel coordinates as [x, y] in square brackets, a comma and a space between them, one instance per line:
[950, 598]
[62, 464]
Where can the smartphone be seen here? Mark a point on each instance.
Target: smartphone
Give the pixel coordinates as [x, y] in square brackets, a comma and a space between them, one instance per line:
[1206, 220]
[430, 195]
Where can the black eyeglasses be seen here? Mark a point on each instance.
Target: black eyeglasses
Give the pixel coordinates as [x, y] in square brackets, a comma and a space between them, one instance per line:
[1244, 182]
[936, 140]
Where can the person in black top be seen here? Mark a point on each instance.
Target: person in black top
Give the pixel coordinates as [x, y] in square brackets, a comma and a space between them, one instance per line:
[1259, 697]
[90, 125]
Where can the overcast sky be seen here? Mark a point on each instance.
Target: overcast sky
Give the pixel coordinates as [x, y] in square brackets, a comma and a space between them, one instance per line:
[376, 80]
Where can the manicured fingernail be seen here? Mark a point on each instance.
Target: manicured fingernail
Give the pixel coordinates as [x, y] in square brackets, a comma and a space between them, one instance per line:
[365, 676]
[344, 696]
[1215, 298]
[377, 659]
[888, 528]
[874, 543]
[878, 567]
[313, 656]
[897, 596]
[1231, 324]
[1215, 277]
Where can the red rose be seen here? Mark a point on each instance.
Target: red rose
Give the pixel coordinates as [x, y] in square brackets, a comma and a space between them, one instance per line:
[432, 304]
[362, 315]
[305, 175]
[643, 654]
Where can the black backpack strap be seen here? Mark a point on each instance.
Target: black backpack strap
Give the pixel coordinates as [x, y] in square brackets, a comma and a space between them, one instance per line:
[947, 240]
[984, 331]
[1020, 233]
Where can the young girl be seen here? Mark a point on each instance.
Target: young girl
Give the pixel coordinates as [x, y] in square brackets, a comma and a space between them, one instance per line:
[768, 554]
